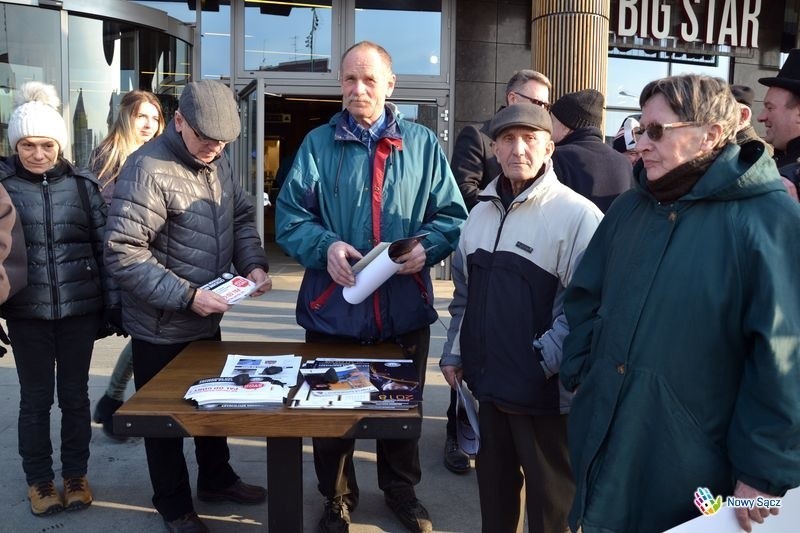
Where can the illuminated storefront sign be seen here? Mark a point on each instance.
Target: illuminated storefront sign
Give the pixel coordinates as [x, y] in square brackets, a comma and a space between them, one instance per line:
[715, 22]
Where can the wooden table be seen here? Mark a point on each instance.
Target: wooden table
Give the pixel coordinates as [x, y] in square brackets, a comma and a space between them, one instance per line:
[159, 410]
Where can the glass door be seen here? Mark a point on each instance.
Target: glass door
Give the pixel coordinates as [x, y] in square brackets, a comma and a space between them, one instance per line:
[247, 155]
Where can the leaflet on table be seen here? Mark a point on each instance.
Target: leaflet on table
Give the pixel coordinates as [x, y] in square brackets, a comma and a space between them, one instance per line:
[232, 288]
[247, 381]
[395, 381]
[223, 390]
[351, 379]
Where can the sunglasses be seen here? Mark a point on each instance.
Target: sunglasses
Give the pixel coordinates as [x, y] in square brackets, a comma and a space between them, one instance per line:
[655, 130]
[534, 101]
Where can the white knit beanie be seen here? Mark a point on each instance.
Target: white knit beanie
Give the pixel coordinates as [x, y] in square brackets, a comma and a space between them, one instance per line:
[37, 115]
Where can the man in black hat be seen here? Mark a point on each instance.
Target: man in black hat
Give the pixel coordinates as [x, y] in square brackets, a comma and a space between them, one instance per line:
[522, 242]
[178, 220]
[781, 117]
[582, 161]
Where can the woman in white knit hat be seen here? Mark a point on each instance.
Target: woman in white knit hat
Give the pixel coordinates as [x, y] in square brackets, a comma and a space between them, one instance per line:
[53, 322]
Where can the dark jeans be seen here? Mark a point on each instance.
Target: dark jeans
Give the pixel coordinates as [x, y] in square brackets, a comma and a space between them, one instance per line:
[537, 444]
[48, 354]
[172, 494]
[451, 415]
[398, 459]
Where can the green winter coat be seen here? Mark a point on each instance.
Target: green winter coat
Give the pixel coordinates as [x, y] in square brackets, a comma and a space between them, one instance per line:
[684, 348]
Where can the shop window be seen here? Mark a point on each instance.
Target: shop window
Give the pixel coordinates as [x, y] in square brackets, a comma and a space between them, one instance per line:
[287, 37]
[26, 55]
[410, 31]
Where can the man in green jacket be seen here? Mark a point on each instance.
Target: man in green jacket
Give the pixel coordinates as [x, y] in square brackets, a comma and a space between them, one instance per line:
[365, 177]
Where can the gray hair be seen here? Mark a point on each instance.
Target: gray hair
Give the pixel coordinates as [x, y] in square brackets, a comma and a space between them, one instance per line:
[521, 77]
[698, 98]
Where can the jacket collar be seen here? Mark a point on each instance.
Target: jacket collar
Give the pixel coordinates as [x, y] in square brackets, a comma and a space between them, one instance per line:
[175, 144]
[343, 132]
[590, 133]
[546, 179]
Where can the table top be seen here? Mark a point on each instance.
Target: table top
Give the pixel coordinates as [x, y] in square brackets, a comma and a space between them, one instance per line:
[159, 410]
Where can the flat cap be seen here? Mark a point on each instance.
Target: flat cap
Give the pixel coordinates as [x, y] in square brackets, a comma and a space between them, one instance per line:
[210, 109]
[523, 115]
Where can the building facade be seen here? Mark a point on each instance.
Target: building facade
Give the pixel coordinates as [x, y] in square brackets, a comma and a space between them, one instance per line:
[452, 57]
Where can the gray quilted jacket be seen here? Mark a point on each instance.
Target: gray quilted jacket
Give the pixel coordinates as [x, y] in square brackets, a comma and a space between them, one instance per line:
[63, 240]
[176, 223]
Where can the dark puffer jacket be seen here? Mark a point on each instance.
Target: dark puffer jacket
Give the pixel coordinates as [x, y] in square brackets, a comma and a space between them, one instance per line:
[176, 223]
[63, 239]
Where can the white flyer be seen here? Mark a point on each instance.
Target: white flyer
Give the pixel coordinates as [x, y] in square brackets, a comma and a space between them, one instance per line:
[231, 287]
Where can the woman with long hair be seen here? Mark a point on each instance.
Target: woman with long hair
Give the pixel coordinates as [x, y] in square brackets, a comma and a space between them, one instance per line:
[139, 120]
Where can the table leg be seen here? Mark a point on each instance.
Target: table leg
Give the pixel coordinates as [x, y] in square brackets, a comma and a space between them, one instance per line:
[285, 484]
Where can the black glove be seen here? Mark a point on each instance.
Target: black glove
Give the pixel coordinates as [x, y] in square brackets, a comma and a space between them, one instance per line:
[111, 324]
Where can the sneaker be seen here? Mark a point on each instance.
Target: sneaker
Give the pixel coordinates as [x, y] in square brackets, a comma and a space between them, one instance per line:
[335, 517]
[188, 523]
[411, 513]
[77, 494]
[455, 460]
[45, 499]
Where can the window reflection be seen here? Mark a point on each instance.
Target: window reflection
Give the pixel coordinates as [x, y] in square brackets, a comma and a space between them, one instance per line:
[287, 37]
[411, 34]
[107, 59]
[26, 55]
[216, 42]
[425, 114]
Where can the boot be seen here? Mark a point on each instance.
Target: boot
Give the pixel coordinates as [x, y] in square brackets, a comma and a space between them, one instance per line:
[103, 412]
[77, 494]
[45, 499]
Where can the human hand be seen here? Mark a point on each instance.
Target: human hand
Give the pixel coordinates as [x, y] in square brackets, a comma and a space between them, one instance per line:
[757, 514]
[262, 280]
[339, 268]
[452, 374]
[208, 302]
[413, 261]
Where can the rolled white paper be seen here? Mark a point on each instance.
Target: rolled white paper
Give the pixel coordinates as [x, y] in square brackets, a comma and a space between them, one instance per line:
[371, 277]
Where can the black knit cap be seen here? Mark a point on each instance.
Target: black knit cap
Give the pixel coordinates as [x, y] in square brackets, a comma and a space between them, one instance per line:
[581, 109]
[743, 94]
[210, 108]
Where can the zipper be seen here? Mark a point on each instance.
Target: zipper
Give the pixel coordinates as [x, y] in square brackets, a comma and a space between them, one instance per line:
[207, 175]
[49, 243]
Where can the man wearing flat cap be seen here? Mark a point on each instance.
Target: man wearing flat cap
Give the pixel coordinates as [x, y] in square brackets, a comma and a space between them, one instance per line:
[517, 253]
[179, 219]
[781, 118]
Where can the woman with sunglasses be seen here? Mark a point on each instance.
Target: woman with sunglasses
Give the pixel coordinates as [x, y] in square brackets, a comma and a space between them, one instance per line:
[684, 315]
[139, 120]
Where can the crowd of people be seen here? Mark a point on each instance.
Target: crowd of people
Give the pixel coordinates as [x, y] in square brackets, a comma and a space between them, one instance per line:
[624, 313]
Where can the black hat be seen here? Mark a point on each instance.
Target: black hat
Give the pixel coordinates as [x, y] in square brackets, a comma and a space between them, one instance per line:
[580, 109]
[210, 108]
[524, 115]
[743, 94]
[789, 76]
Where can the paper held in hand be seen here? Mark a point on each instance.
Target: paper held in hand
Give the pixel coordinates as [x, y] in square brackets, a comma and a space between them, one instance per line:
[377, 266]
[233, 288]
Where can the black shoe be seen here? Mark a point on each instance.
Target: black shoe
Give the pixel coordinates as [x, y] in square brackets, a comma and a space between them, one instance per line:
[188, 523]
[239, 492]
[455, 460]
[335, 517]
[411, 513]
[103, 411]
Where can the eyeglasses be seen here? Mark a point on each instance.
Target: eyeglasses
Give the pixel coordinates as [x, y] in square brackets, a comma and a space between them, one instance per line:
[655, 130]
[534, 101]
[203, 138]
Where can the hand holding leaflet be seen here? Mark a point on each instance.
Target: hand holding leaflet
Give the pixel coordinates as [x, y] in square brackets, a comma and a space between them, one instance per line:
[378, 266]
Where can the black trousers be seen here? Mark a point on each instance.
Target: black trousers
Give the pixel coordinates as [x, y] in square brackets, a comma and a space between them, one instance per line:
[53, 354]
[398, 459]
[172, 494]
[538, 445]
